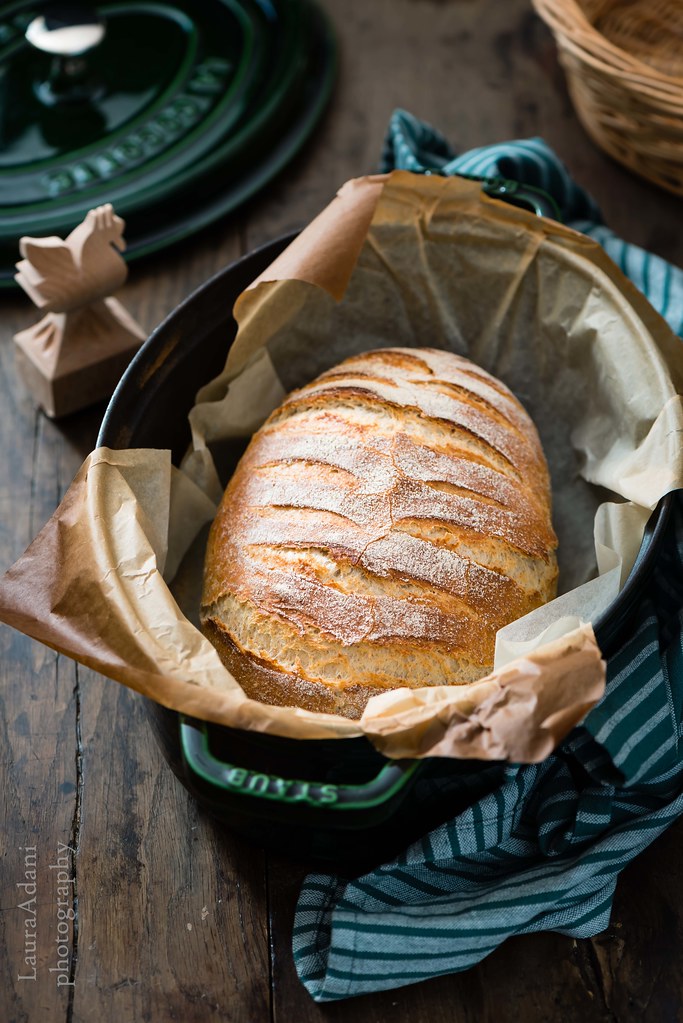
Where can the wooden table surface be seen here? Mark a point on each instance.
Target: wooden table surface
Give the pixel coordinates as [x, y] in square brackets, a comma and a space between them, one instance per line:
[174, 919]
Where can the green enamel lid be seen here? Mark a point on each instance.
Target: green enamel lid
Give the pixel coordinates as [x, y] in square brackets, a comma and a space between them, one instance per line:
[176, 113]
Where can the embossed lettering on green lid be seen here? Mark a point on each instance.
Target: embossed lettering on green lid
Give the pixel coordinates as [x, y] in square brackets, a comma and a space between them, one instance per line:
[192, 106]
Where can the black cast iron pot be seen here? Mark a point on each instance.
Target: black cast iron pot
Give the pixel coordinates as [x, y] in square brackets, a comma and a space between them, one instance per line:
[329, 801]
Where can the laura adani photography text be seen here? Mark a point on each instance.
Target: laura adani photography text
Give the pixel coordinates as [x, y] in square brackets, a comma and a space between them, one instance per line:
[61, 896]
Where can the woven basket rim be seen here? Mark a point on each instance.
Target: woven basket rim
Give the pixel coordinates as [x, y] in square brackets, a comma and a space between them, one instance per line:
[575, 27]
[670, 99]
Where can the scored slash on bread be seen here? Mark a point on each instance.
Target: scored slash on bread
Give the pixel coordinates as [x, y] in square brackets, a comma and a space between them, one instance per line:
[382, 525]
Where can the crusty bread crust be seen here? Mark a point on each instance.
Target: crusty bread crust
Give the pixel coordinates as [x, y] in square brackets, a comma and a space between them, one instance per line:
[382, 525]
[281, 689]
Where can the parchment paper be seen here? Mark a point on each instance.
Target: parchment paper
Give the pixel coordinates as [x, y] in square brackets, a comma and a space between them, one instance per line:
[408, 260]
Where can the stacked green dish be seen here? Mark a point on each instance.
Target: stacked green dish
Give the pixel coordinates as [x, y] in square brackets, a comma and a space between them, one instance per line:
[189, 109]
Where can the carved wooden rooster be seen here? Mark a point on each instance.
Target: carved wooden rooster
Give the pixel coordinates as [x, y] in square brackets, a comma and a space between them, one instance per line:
[75, 355]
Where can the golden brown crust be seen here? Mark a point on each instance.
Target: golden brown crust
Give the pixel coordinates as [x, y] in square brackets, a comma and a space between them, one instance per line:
[282, 689]
[382, 525]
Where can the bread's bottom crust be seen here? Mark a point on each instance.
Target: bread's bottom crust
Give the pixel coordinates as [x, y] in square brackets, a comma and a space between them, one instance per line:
[282, 689]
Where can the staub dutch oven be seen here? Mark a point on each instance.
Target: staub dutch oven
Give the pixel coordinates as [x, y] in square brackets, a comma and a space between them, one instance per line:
[327, 801]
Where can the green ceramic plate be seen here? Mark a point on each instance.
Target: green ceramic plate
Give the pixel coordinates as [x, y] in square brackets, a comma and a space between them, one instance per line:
[194, 107]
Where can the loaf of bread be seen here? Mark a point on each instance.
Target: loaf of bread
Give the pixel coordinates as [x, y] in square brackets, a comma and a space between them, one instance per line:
[382, 525]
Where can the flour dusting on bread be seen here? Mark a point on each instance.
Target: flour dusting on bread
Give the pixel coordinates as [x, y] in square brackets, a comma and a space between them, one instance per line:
[382, 525]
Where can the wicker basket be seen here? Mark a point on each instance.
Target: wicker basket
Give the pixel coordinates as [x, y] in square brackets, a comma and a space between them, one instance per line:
[624, 66]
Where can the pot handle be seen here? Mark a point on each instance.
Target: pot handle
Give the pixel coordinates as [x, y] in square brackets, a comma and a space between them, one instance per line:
[199, 761]
[516, 193]
[528, 197]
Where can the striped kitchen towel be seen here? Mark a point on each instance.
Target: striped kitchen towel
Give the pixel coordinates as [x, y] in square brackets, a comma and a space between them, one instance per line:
[543, 850]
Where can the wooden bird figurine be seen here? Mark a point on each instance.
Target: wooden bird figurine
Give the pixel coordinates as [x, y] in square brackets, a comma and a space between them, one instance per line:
[76, 354]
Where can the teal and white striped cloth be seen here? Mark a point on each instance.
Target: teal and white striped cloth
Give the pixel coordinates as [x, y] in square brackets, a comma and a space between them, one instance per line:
[543, 850]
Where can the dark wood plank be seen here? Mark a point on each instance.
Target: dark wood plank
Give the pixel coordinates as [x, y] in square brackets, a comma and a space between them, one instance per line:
[157, 284]
[637, 959]
[172, 911]
[79, 764]
[481, 72]
[38, 775]
[38, 771]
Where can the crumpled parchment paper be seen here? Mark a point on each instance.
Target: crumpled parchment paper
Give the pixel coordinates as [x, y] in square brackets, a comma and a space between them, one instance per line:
[113, 579]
